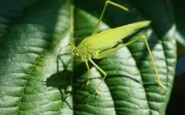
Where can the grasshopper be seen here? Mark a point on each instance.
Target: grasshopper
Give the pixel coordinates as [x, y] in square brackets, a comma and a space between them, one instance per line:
[107, 43]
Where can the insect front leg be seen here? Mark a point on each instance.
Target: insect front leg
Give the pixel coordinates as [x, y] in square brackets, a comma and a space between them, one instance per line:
[103, 12]
[103, 72]
[89, 71]
[87, 65]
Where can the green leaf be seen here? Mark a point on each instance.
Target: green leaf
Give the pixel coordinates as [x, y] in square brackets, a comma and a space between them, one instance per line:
[37, 74]
[28, 57]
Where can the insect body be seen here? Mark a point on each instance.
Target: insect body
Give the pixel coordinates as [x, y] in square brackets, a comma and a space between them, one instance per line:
[106, 40]
[108, 43]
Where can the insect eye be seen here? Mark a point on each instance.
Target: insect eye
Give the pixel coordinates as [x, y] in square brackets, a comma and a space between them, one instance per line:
[75, 52]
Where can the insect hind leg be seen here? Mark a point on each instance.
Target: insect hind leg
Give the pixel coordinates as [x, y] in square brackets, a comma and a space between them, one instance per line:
[103, 72]
[143, 37]
[153, 62]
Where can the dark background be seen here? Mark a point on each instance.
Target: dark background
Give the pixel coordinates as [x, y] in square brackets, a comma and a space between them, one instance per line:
[176, 104]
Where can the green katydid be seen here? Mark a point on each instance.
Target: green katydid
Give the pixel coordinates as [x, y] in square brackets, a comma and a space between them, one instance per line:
[107, 43]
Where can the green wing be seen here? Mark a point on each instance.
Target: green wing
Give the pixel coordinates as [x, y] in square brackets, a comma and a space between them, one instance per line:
[111, 37]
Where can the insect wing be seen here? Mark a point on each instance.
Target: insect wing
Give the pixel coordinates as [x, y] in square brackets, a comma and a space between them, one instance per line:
[111, 37]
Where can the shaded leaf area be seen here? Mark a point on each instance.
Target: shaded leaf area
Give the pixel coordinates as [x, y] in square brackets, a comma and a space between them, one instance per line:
[130, 87]
[8, 10]
[29, 51]
[178, 7]
[11, 10]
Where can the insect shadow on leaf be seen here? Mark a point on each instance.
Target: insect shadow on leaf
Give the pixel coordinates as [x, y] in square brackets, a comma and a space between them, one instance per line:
[62, 79]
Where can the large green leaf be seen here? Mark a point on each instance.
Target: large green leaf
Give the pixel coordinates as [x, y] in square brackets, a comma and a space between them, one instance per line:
[36, 72]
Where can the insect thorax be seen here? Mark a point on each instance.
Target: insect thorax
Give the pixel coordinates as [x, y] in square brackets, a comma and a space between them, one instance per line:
[84, 52]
